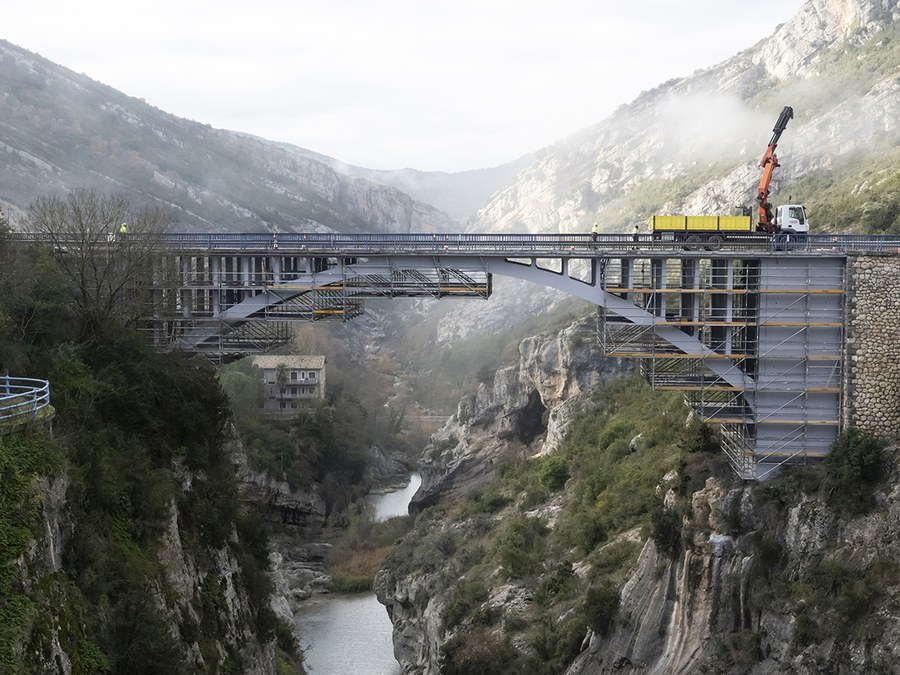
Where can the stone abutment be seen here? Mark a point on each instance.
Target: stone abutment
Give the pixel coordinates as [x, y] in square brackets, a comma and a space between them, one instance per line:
[871, 386]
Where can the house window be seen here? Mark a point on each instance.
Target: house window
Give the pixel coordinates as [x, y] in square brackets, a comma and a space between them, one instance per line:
[294, 404]
[294, 375]
[293, 391]
[282, 405]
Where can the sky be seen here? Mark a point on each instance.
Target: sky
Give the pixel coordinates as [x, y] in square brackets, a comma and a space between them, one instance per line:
[388, 84]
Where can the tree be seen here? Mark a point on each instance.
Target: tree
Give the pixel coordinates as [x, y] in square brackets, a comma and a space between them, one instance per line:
[110, 273]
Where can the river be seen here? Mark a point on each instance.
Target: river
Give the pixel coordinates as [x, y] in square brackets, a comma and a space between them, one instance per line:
[345, 634]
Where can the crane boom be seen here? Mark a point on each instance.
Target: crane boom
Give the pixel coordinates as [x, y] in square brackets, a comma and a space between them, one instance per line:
[768, 163]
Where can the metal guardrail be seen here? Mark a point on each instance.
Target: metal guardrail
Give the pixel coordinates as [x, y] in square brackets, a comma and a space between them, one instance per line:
[22, 397]
[554, 244]
[526, 244]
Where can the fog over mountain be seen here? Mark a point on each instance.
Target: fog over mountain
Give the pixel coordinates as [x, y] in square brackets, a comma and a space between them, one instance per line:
[693, 144]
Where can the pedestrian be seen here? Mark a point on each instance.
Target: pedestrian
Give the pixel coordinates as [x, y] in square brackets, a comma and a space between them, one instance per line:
[595, 230]
[123, 230]
[634, 233]
[274, 242]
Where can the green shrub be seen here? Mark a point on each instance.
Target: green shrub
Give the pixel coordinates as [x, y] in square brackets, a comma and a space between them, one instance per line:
[520, 545]
[601, 604]
[556, 583]
[554, 645]
[665, 529]
[806, 632]
[468, 595]
[745, 647]
[479, 652]
[699, 437]
[553, 472]
[852, 468]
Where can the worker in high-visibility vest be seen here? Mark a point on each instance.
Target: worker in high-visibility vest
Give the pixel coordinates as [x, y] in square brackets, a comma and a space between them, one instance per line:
[595, 230]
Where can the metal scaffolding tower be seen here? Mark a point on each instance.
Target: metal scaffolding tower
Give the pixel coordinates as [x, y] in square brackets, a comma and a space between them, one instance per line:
[776, 322]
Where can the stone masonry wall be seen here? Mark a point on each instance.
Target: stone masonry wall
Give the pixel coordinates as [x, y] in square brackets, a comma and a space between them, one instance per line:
[871, 397]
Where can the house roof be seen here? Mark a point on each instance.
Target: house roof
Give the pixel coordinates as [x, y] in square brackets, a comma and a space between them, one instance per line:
[291, 361]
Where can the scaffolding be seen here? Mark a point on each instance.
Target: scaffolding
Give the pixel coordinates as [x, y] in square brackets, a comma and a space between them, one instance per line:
[769, 329]
[225, 304]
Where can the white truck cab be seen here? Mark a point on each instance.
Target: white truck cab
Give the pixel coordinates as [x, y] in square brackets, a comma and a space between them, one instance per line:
[791, 219]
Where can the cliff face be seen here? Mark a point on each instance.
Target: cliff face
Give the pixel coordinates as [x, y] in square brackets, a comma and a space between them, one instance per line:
[520, 412]
[183, 578]
[775, 578]
[760, 589]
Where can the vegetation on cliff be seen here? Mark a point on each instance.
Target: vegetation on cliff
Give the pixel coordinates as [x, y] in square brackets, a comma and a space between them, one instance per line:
[538, 556]
[834, 593]
[138, 445]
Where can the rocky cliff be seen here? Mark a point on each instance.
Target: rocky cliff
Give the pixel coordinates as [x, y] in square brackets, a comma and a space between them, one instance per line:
[192, 588]
[767, 579]
[799, 575]
[523, 411]
[520, 412]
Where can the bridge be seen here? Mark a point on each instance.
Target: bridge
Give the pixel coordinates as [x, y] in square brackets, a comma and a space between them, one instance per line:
[778, 341]
[752, 332]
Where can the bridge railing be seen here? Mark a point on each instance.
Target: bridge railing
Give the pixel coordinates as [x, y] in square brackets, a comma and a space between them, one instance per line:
[22, 397]
[466, 243]
[555, 243]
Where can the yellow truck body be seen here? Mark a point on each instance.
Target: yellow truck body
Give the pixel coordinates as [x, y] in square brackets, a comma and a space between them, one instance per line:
[700, 224]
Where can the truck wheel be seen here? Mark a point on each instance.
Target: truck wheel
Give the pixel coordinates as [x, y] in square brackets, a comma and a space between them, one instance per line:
[692, 242]
[714, 243]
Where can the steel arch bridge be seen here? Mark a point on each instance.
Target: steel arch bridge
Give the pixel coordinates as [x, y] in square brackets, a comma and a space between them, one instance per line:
[751, 332]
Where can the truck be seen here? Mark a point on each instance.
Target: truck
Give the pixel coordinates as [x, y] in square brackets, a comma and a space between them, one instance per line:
[785, 222]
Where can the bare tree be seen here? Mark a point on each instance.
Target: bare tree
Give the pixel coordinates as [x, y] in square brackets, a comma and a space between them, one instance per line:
[109, 266]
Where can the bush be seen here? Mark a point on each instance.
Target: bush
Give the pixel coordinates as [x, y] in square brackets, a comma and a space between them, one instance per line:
[852, 468]
[553, 472]
[470, 594]
[665, 529]
[601, 604]
[520, 545]
[745, 647]
[479, 653]
[699, 437]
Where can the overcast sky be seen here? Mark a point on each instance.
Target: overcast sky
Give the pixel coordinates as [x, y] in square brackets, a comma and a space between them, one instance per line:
[387, 84]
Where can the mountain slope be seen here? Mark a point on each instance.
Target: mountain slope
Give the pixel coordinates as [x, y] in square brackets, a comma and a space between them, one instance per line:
[692, 144]
[61, 130]
[458, 194]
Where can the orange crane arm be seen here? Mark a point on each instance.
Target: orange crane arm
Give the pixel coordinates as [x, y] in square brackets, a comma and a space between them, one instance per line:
[768, 163]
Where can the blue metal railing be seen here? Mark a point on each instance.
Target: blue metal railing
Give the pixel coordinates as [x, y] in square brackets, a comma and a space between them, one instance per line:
[22, 397]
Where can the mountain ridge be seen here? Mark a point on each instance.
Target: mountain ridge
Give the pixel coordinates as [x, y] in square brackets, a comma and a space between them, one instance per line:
[62, 130]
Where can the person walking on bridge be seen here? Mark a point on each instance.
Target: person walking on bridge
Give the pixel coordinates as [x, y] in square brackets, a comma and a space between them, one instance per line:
[634, 234]
[595, 230]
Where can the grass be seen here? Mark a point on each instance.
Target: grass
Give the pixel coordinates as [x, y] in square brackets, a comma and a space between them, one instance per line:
[361, 550]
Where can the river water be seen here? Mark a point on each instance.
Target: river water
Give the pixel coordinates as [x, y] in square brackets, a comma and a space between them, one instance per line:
[345, 634]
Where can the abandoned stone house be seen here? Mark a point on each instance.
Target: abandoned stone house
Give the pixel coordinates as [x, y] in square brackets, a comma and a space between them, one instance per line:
[291, 381]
